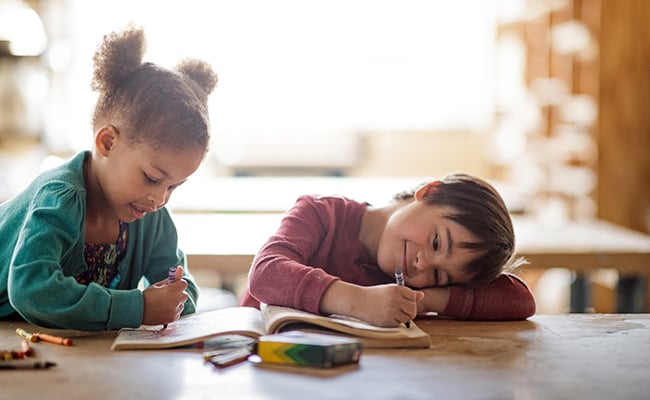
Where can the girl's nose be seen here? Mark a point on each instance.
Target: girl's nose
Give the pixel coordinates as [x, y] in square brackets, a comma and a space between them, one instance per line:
[159, 198]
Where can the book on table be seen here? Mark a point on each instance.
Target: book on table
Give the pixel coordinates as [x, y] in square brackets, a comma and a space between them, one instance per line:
[253, 323]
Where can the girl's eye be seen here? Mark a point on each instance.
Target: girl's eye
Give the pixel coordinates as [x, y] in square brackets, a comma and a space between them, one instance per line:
[436, 242]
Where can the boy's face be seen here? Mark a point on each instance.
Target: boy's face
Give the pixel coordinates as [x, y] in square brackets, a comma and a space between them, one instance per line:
[139, 180]
[420, 240]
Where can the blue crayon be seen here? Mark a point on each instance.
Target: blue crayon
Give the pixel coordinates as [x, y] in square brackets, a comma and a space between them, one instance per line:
[399, 279]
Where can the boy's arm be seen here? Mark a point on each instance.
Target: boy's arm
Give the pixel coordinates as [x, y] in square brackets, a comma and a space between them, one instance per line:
[505, 298]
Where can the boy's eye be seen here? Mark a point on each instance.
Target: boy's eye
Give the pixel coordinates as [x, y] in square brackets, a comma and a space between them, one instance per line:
[436, 242]
[150, 179]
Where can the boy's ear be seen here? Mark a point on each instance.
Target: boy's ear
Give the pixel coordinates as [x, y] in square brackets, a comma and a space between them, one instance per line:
[105, 138]
[426, 189]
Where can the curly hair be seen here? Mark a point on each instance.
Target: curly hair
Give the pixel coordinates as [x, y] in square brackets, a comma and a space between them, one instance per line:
[479, 208]
[150, 104]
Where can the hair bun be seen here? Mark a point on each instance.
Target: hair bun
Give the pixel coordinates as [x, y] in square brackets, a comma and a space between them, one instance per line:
[117, 56]
[200, 72]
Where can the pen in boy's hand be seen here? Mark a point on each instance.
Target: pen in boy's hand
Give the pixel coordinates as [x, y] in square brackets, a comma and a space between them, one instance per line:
[171, 278]
[399, 279]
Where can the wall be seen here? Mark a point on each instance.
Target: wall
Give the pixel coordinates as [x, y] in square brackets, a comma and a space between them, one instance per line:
[624, 129]
[422, 154]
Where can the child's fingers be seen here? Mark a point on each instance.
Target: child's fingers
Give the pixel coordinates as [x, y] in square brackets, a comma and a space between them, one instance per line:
[410, 294]
[179, 273]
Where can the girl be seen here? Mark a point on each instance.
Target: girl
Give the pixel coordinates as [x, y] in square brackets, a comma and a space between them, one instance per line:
[78, 240]
[452, 239]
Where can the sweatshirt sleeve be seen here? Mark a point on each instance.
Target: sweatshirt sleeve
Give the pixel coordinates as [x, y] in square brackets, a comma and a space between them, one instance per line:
[280, 273]
[504, 299]
[47, 244]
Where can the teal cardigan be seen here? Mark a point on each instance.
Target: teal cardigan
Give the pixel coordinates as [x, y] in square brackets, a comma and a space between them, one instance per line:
[42, 250]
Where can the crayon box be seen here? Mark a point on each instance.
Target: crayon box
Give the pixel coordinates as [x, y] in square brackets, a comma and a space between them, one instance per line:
[308, 349]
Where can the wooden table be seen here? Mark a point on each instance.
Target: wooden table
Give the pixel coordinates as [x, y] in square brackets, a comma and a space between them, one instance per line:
[227, 242]
[574, 356]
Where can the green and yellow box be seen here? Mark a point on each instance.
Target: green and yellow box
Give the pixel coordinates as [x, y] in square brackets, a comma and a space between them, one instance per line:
[308, 349]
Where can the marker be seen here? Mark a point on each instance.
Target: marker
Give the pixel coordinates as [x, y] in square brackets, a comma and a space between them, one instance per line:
[53, 339]
[171, 278]
[25, 364]
[399, 279]
[26, 335]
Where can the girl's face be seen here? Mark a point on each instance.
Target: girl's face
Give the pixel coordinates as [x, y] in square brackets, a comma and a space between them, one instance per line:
[420, 240]
[136, 180]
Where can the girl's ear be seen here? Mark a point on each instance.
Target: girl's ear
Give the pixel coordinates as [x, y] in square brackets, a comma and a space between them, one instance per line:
[105, 138]
[426, 189]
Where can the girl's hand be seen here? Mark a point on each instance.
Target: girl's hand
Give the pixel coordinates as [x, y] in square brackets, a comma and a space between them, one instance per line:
[164, 303]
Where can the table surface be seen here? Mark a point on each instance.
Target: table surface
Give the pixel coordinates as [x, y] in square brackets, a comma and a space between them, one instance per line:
[573, 356]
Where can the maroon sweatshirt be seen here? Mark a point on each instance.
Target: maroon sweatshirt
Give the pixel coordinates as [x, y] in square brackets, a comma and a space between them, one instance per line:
[318, 243]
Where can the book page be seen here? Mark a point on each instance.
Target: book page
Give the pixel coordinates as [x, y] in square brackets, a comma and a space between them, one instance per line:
[193, 328]
[277, 319]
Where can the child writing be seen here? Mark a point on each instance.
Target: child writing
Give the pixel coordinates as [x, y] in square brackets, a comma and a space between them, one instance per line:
[78, 240]
[452, 239]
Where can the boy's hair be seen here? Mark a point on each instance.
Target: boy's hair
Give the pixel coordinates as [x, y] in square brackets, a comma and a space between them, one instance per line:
[152, 105]
[479, 208]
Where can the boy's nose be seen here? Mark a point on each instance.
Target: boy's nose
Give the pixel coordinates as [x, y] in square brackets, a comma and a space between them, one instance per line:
[422, 261]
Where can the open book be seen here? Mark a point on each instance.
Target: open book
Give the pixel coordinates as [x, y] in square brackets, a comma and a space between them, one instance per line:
[251, 322]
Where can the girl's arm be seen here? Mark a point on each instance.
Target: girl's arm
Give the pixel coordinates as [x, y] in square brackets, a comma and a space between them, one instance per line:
[505, 298]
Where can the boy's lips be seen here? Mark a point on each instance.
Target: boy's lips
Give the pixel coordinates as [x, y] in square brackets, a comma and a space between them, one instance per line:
[404, 263]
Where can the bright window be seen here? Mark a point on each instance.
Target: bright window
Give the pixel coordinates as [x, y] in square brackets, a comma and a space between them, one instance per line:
[307, 67]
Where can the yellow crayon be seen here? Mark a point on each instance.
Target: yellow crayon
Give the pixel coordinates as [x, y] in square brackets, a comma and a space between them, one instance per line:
[26, 335]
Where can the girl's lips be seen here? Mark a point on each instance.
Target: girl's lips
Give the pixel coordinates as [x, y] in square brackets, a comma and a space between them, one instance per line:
[137, 212]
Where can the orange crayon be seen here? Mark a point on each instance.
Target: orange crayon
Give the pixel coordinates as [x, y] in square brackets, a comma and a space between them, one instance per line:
[53, 339]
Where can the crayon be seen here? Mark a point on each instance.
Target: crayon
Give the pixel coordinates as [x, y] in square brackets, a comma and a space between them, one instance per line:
[399, 279]
[53, 339]
[26, 349]
[27, 364]
[26, 335]
[8, 355]
[171, 278]
[228, 358]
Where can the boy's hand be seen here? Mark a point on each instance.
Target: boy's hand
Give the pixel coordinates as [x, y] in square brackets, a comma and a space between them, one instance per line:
[384, 305]
[164, 303]
[388, 305]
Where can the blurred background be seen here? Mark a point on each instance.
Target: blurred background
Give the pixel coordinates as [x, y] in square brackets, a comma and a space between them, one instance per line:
[548, 99]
